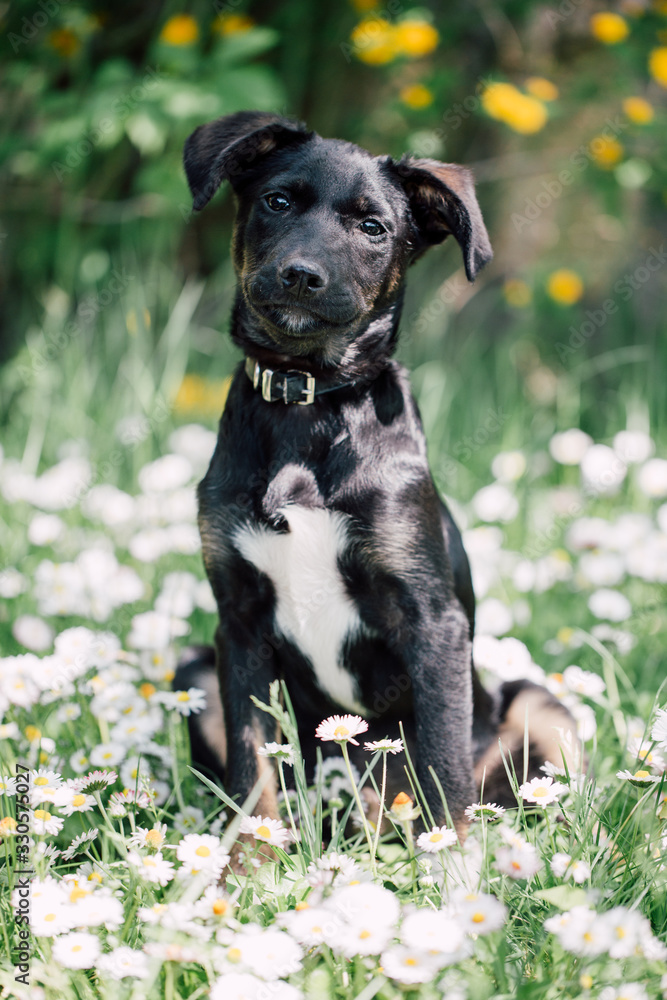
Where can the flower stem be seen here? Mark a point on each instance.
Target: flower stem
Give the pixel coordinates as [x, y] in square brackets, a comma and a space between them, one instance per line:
[357, 798]
[288, 807]
[376, 840]
[407, 826]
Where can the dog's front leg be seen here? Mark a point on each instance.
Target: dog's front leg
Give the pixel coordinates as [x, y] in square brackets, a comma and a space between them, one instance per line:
[245, 669]
[439, 664]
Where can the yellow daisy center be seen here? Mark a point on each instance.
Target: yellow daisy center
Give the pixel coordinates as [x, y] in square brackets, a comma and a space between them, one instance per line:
[182, 696]
[78, 800]
[42, 814]
[234, 954]
[478, 918]
[262, 831]
[341, 731]
[435, 838]
[154, 838]
[642, 774]
[49, 917]
[203, 851]
[76, 947]
[364, 935]
[220, 907]
[540, 791]
[411, 961]
[41, 781]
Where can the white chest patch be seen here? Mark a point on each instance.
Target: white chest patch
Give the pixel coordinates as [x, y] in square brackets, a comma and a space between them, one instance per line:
[314, 611]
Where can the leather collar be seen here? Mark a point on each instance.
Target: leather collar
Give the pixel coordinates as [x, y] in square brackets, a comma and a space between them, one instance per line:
[290, 386]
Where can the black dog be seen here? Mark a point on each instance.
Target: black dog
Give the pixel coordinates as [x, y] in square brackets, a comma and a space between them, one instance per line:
[333, 561]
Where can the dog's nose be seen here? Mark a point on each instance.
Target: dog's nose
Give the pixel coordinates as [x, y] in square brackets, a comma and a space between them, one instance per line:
[303, 278]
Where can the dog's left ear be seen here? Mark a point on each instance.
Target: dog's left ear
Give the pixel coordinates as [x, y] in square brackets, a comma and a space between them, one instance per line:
[228, 148]
[442, 200]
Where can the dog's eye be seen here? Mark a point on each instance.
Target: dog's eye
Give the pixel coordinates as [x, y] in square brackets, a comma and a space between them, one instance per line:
[277, 202]
[372, 227]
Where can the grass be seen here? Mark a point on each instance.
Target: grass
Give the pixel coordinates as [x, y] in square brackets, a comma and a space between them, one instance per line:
[105, 391]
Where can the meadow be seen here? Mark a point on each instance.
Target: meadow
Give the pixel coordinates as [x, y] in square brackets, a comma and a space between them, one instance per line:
[543, 398]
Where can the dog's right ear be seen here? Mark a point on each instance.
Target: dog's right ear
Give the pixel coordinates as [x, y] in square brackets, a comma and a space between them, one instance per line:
[224, 149]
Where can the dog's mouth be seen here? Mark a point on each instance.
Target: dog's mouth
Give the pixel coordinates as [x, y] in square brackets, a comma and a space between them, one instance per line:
[300, 321]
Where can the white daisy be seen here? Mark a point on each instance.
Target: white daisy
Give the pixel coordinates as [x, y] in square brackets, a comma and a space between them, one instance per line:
[7, 785]
[385, 746]
[152, 837]
[478, 913]
[518, 862]
[484, 810]
[409, 965]
[79, 761]
[278, 751]
[214, 905]
[202, 853]
[78, 950]
[436, 839]
[188, 702]
[640, 778]
[80, 844]
[70, 800]
[365, 904]
[270, 953]
[542, 791]
[341, 728]
[153, 868]
[311, 925]
[270, 831]
[123, 963]
[432, 931]
[563, 866]
[108, 754]
[360, 938]
[43, 823]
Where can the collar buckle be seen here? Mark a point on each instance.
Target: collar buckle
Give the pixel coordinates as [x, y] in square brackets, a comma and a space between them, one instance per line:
[309, 390]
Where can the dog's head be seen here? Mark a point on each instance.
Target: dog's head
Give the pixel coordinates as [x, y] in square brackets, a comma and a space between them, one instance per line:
[325, 231]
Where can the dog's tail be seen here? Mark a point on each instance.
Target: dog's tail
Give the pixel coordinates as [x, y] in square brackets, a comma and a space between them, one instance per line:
[208, 744]
[529, 715]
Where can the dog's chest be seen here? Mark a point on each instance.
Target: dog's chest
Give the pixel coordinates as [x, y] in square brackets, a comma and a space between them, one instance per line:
[313, 609]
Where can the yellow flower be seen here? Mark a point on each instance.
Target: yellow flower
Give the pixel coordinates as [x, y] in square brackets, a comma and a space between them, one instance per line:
[64, 42]
[517, 293]
[609, 28]
[605, 151]
[416, 38]
[197, 394]
[374, 41]
[543, 89]
[657, 65]
[232, 24]
[585, 981]
[522, 113]
[416, 96]
[32, 733]
[565, 287]
[182, 29]
[638, 110]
